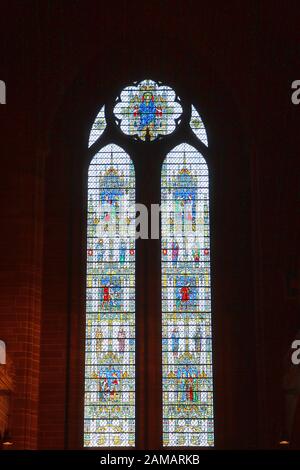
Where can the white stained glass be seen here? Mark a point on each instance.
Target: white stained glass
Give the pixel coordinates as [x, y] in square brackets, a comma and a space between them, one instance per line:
[148, 109]
[186, 300]
[197, 126]
[98, 127]
[109, 405]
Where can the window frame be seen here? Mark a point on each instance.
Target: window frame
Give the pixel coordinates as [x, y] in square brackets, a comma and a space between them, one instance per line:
[149, 155]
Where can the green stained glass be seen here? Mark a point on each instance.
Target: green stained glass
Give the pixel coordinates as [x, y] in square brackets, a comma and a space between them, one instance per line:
[109, 405]
[186, 300]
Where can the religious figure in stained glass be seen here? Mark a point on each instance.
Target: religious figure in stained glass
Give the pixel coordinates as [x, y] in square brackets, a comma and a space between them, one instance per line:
[148, 110]
[109, 407]
[197, 126]
[186, 316]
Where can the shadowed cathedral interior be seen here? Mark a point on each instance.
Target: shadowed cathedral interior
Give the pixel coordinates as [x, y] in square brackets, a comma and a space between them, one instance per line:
[62, 62]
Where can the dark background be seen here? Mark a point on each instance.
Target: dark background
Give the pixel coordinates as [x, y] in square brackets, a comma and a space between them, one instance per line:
[236, 61]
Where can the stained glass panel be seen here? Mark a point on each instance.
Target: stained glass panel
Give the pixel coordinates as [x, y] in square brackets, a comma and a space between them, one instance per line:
[148, 109]
[98, 127]
[197, 126]
[186, 300]
[109, 406]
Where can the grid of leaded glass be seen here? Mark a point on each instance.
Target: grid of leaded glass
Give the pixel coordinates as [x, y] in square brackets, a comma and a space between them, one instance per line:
[98, 127]
[148, 110]
[109, 405]
[186, 300]
[197, 126]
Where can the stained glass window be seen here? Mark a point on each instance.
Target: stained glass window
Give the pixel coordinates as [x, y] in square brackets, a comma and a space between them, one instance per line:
[186, 300]
[109, 406]
[98, 127]
[197, 126]
[148, 109]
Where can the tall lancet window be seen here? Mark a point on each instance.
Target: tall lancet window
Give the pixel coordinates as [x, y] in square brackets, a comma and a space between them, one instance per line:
[186, 307]
[109, 406]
